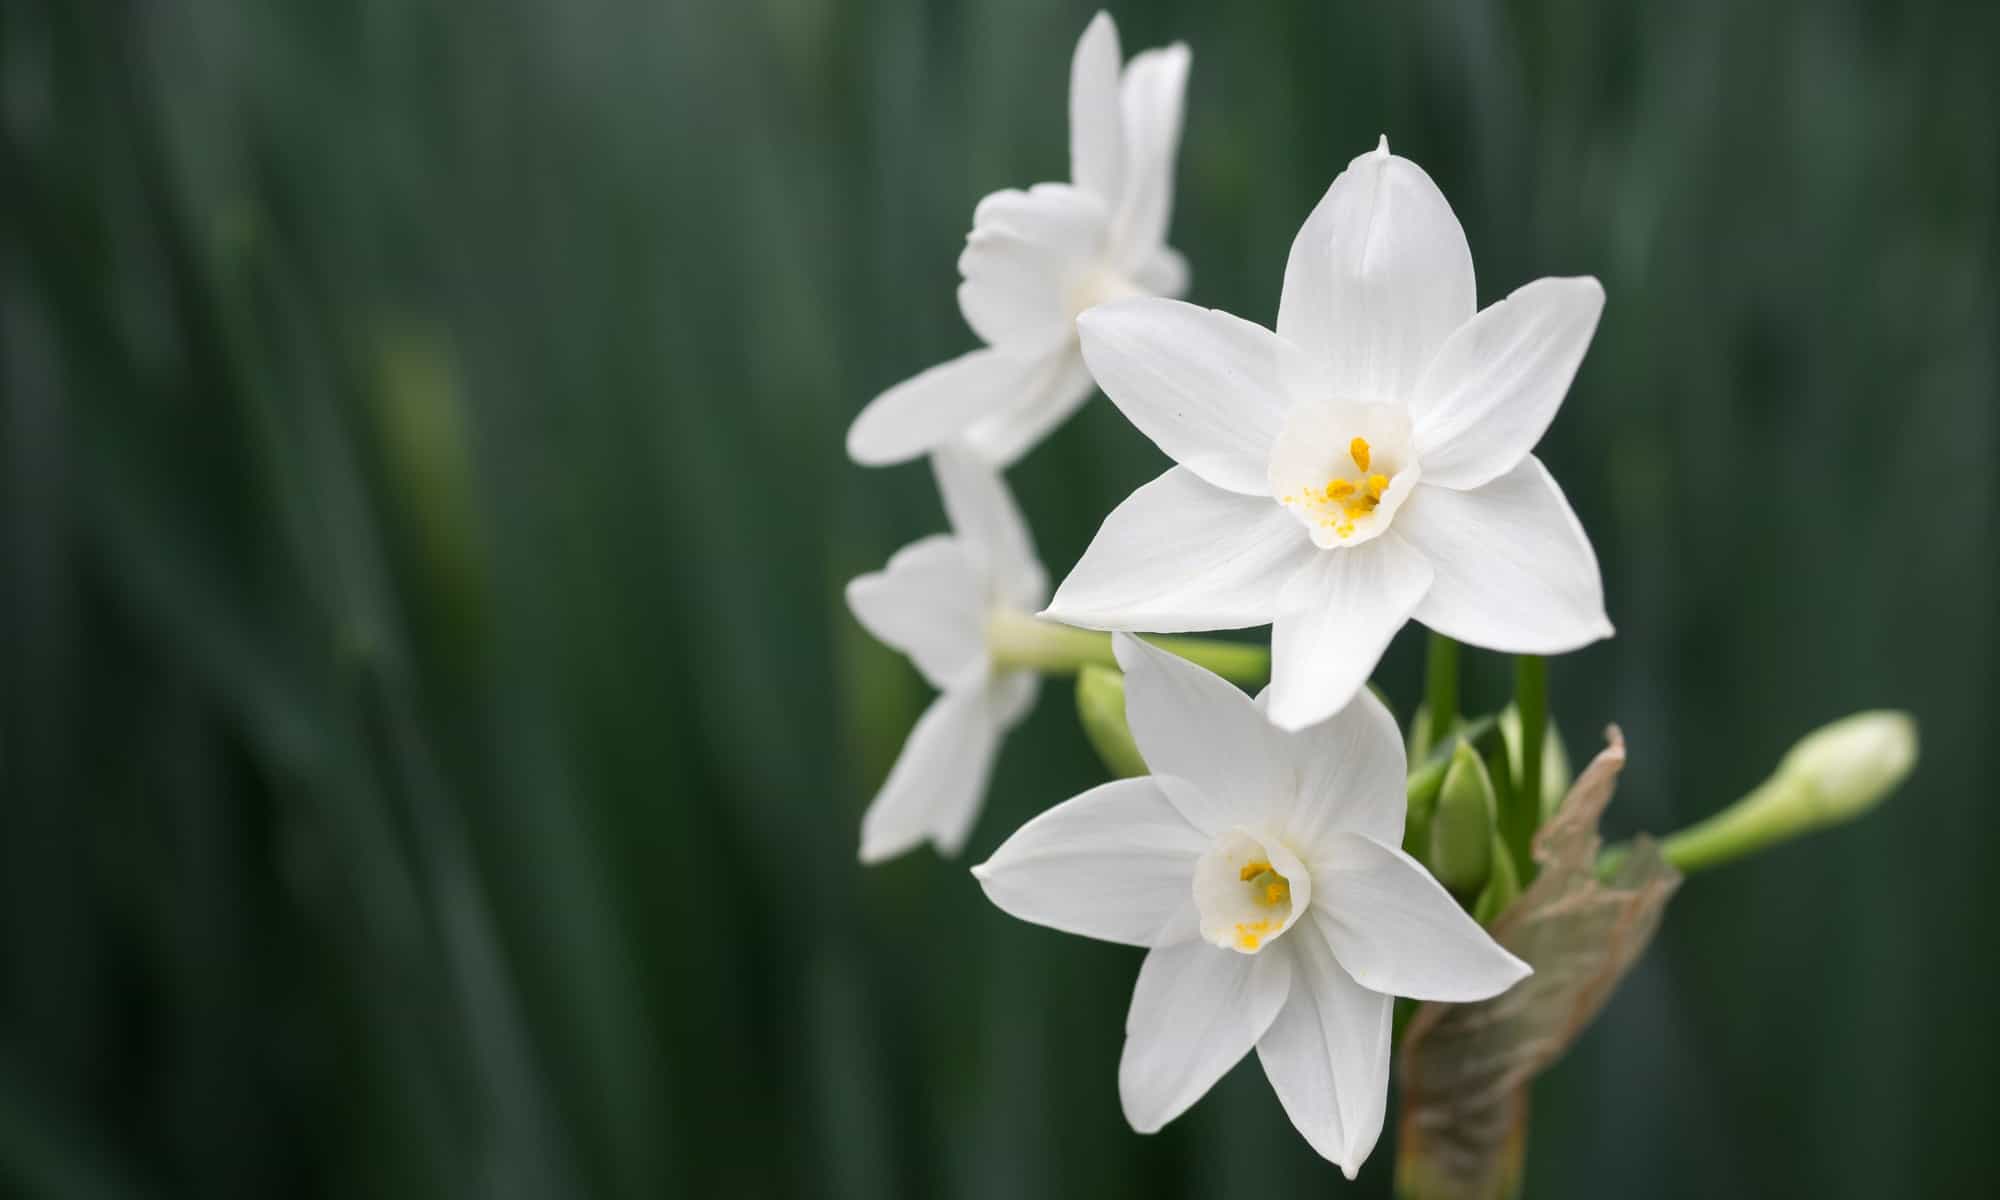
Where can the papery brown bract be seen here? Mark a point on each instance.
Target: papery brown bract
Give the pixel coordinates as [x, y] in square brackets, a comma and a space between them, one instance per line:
[1466, 1068]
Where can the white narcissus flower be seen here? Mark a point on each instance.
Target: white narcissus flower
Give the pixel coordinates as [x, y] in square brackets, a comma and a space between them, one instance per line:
[1036, 259]
[1260, 871]
[933, 603]
[1367, 463]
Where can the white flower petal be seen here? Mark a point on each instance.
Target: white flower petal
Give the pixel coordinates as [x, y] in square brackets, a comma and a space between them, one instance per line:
[1005, 436]
[1060, 218]
[1096, 126]
[939, 778]
[1515, 572]
[1378, 278]
[1206, 387]
[1008, 697]
[1163, 273]
[1179, 554]
[1327, 1054]
[1150, 100]
[1116, 863]
[1495, 385]
[1021, 263]
[927, 410]
[1196, 1011]
[930, 604]
[1352, 773]
[989, 526]
[1338, 616]
[1396, 930]
[1196, 726]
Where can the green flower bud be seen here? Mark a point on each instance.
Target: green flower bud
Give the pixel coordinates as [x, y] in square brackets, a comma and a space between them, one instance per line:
[1502, 885]
[1462, 827]
[1555, 760]
[1834, 774]
[1421, 797]
[1100, 706]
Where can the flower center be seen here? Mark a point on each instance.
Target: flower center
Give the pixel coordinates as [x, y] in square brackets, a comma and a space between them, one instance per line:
[1343, 470]
[1345, 498]
[1098, 285]
[1248, 890]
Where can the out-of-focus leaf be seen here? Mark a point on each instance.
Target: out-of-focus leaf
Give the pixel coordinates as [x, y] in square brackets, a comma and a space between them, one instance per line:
[1466, 1068]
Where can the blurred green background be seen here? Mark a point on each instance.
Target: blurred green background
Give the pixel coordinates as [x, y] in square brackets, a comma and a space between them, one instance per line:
[432, 744]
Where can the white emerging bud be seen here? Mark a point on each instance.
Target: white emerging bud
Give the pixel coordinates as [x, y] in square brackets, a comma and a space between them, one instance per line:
[1834, 774]
[1846, 768]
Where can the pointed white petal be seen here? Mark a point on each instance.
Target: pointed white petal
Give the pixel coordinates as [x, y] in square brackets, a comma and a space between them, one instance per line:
[1163, 273]
[1352, 771]
[1020, 261]
[1378, 278]
[1206, 387]
[939, 778]
[1495, 385]
[1179, 554]
[1514, 570]
[1327, 1054]
[1339, 614]
[1196, 1011]
[989, 526]
[1396, 930]
[1150, 100]
[1116, 863]
[929, 603]
[1004, 437]
[1008, 698]
[1096, 127]
[927, 410]
[1194, 725]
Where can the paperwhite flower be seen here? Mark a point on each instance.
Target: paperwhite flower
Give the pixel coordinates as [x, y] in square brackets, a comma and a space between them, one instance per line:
[1036, 259]
[1259, 868]
[1366, 463]
[933, 602]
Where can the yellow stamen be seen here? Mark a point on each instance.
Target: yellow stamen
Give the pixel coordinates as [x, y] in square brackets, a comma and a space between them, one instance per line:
[1358, 450]
[1250, 935]
[1335, 489]
[1251, 871]
[1377, 484]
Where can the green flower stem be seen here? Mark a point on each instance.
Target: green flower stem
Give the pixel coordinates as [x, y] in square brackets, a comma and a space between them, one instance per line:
[1440, 689]
[1524, 800]
[1833, 775]
[1020, 641]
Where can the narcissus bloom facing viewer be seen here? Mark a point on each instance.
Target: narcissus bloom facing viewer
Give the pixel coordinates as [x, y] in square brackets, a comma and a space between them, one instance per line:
[1367, 463]
[933, 602]
[1260, 870]
[1036, 259]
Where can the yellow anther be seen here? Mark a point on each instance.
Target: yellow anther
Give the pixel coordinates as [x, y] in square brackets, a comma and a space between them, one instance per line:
[1358, 449]
[1338, 488]
[1377, 484]
[1250, 934]
[1251, 871]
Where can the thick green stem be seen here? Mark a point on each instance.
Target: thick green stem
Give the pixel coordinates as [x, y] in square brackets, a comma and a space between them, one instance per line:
[1021, 641]
[1441, 689]
[1524, 800]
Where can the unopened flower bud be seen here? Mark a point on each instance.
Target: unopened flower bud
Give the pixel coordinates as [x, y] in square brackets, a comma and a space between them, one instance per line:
[1462, 827]
[1834, 774]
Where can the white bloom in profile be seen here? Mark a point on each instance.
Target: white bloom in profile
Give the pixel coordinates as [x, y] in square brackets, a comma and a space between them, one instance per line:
[1260, 870]
[1367, 463]
[933, 602]
[1036, 259]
